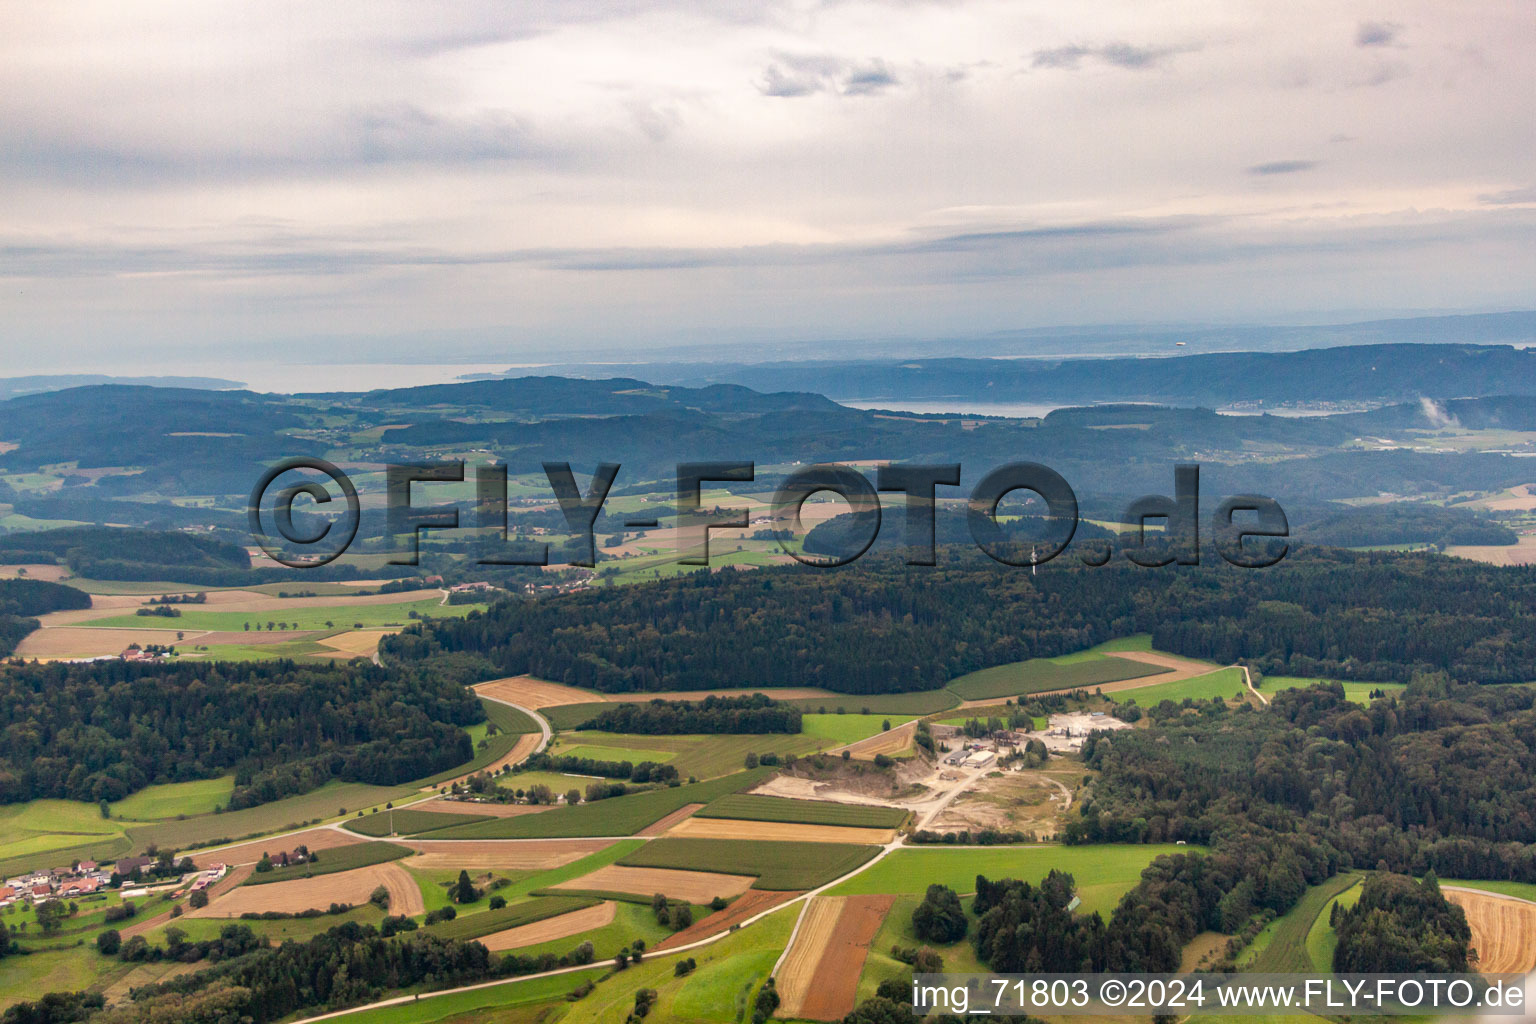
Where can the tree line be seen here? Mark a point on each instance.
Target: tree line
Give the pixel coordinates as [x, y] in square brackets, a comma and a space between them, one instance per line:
[754, 713]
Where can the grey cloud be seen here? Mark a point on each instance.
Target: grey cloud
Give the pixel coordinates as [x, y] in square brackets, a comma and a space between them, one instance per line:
[1509, 197]
[1120, 55]
[1283, 167]
[1377, 33]
[793, 75]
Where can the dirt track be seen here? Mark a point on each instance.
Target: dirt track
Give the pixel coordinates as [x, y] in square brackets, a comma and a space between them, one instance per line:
[833, 985]
[510, 854]
[661, 825]
[1503, 930]
[748, 904]
[250, 853]
[551, 928]
[321, 891]
[693, 886]
[525, 745]
[731, 828]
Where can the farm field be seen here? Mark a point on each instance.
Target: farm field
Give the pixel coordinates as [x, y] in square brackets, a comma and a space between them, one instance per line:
[751, 807]
[408, 821]
[249, 853]
[535, 693]
[728, 828]
[615, 816]
[743, 908]
[819, 979]
[535, 855]
[1503, 931]
[514, 915]
[330, 862]
[777, 865]
[352, 887]
[298, 614]
[289, 813]
[564, 926]
[1321, 938]
[44, 826]
[606, 753]
[199, 929]
[1103, 873]
[694, 886]
[1519, 890]
[1357, 692]
[1282, 947]
[169, 800]
[918, 702]
[1224, 683]
[1084, 669]
[500, 1004]
[959, 957]
[844, 729]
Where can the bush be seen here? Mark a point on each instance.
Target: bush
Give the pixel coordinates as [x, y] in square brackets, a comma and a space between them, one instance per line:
[497, 902]
[198, 900]
[109, 942]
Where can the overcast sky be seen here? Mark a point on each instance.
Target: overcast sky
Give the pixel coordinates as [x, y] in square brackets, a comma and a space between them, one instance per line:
[487, 180]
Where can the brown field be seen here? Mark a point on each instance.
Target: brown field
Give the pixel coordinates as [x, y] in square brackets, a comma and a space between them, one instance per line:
[1503, 930]
[749, 904]
[661, 825]
[356, 643]
[490, 854]
[86, 642]
[730, 828]
[490, 810]
[1516, 499]
[1523, 553]
[321, 891]
[536, 693]
[835, 985]
[35, 571]
[693, 886]
[250, 853]
[817, 923]
[551, 928]
[895, 741]
[525, 745]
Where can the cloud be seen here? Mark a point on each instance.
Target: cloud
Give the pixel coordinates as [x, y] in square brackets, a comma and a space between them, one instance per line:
[1119, 55]
[1509, 197]
[1377, 33]
[1283, 167]
[792, 76]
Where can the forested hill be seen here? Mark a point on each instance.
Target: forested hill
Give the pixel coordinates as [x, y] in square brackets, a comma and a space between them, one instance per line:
[22, 600]
[1355, 373]
[877, 626]
[101, 730]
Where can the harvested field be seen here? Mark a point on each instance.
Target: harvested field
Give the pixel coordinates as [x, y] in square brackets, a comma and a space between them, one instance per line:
[35, 571]
[250, 853]
[731, 828]
[351, 887]
[748, 904]
[1503, 930]
[550, 929]
[693, 886]
[835, 985]
[488, 810]
[84, 642]
[535, 693]
[493, 854]
[896, 741]
[661, 825]
[356, 643]
[1522, 553]
[798, 969]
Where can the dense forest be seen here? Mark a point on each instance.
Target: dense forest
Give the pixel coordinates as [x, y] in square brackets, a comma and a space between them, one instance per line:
[754, 713]
[101, 730]
[1400, 927]
[21, 600]
[877, 626]
[1405, 523]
